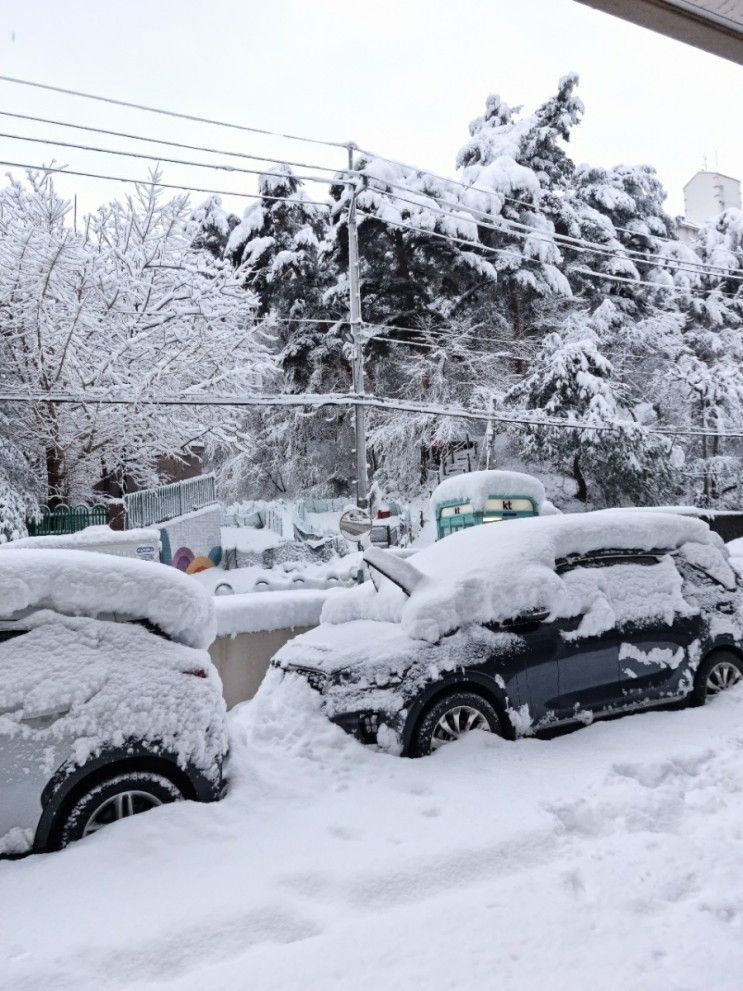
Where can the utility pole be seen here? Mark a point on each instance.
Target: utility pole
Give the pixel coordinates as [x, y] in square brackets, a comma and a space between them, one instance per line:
[362, 476]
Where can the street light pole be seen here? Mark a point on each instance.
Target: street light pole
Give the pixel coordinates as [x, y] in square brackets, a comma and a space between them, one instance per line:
[354, 288]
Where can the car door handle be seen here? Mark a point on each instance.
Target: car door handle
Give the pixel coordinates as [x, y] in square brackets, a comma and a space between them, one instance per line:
[39, 720]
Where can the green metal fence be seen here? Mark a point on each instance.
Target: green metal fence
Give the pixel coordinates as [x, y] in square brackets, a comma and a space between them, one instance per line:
[66, 519]
[165, 502]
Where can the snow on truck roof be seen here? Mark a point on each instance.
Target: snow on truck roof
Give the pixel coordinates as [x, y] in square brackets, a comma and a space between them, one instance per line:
[478, 486]
[85, 583]
[496, 572]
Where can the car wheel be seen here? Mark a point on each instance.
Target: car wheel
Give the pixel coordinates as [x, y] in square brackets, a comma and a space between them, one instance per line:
[716, 674]
[116, 798]
[450, 718]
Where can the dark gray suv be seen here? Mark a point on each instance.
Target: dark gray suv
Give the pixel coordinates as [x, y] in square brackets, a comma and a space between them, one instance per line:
[522, 627]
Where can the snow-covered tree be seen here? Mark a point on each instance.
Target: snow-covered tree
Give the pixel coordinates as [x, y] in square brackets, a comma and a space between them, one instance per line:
[708, 358]
[278, 247]
[18, 489]
[614, 455]
[127, 310]
[211, 226]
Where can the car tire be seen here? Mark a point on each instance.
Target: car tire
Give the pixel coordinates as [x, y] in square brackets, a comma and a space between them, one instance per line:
[451, 717]
[115, 798]
[717, 672]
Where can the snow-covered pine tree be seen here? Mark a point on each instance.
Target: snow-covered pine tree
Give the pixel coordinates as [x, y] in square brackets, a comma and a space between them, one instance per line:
[708, 360]
[278, 249]
[519, 170]
[211, 226]
[618, 459]
[18, 489]
[277, 246]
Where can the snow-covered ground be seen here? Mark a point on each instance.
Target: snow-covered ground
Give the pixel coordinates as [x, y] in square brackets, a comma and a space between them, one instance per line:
[288, 575]
[609, 858]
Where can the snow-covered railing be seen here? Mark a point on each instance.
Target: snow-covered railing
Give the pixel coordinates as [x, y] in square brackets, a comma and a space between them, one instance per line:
[65, 519]
[165, 502]
[274, 520]
[305, 506]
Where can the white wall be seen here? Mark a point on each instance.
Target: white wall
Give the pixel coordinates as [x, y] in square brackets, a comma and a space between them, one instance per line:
[242, 660]
[708, 194]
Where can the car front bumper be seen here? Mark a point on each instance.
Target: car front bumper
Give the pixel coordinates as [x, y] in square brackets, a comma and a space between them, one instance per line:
[371, 726]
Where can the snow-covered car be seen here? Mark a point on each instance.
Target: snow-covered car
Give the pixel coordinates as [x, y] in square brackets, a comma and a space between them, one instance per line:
[109, 703]
[516, 630]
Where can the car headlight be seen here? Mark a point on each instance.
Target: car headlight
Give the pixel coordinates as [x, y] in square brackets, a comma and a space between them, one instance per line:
[368, 680]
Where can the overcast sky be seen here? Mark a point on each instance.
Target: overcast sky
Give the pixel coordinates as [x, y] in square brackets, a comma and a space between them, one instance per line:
[403, 77]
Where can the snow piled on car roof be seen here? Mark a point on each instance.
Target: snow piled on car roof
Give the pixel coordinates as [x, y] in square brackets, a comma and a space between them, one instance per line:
[477, 487]
[498, 571]
[84, 583]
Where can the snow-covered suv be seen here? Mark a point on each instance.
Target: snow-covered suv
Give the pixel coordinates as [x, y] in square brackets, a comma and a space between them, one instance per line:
[521, 627]
[109, 703]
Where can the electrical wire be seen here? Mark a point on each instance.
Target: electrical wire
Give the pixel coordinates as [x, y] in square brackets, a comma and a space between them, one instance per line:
[468, 352]
[382, 403]
[163, 141]
[170, 113]
[527, 233]
[505, 251]
[254, 130]
[425, 173]
[167, 185]
[563, 240]
[171, 161]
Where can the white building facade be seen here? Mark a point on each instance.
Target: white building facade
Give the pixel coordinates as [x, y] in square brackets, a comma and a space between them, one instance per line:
[706, 195]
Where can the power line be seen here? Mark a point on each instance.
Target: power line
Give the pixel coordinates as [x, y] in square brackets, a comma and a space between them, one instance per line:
[381, 403]
[163, 141]
[468, 352]
[445, 333]
[425, 173]
[503, 227]
[505, 251]
[417, 169]
[563, 240]
[170, 113]
[528, 233]
[170, 161]
[167, 185]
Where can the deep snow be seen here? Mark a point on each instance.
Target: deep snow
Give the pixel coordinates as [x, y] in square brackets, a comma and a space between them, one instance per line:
[609, 858]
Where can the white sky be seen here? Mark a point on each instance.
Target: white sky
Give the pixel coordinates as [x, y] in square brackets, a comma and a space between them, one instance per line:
[403, 77]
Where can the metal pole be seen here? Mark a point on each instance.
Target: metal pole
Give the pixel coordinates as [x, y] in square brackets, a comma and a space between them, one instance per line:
[362, 477]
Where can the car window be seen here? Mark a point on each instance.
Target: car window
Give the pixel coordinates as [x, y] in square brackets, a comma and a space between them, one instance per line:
[704, 573]
[10, 634]
[608, 559]
[608, 593]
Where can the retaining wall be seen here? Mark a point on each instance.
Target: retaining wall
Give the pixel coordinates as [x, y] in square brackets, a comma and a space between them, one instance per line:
[242, 660]
[252, 627]
[192, 542]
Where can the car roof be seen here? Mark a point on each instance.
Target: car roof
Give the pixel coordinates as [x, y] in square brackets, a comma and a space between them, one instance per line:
[85, 583]
[496, 571]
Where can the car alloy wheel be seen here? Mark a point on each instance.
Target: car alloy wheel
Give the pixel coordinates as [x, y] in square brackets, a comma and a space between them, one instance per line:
[455, 722]
[449, 718]
[722, 675]
[121, 806]
[124, 795]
